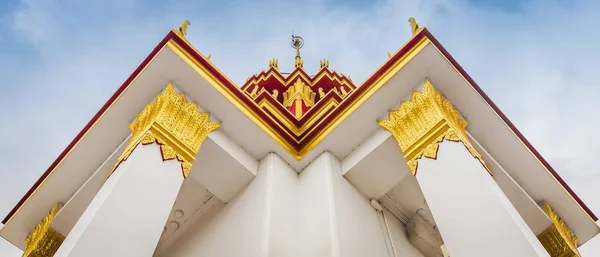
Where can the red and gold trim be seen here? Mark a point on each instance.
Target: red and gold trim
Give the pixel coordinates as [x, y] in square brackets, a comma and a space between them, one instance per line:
[272, 117]
[296, 102]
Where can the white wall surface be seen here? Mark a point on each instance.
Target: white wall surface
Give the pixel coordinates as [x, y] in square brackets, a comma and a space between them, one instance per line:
[317, 214]
[282, 214]
[127, 216]
[359, 230]
[473, 215]
[282, 223]
[402, 247]
[237, 230]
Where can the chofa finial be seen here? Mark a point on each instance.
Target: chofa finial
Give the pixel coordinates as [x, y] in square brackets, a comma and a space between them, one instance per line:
[414, 26]
[183, 28]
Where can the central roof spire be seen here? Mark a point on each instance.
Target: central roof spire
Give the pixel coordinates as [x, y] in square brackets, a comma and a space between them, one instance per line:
[297, 42]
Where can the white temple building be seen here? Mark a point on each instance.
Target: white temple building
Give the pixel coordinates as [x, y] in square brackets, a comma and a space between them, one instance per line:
[416, 161]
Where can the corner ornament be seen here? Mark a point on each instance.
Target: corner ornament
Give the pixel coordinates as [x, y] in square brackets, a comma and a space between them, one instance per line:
[558, 239]
[414, 26]
[183, 28]
[419, 125]
[175, 124]
[44, 240]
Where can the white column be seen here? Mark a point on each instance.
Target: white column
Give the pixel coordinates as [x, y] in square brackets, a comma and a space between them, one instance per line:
[127, 216]
[472, 213]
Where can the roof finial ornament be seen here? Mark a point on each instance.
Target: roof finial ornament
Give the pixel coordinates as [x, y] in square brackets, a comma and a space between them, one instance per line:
[414, 26]
[324, 63]
[297, 42]
[183, 28]
[274, 63]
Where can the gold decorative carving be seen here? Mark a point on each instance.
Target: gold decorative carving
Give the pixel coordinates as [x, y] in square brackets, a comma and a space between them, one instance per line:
[344, 92]
[183, 28]
[175, 124]
[274, 63]
[558, 239]
[44, 241]
[414, 26]
[321, 93]
[299, 93]
[324, 64]
[419, 125]
[254, 92]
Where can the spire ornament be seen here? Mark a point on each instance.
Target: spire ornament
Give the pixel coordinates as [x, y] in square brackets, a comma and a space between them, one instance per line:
[297, 43]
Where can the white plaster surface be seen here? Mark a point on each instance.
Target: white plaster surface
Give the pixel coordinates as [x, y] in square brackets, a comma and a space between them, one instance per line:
[402, 247]
[282, 213]
[359, 230]
[128, 214]
[237, 230]
[473, 215]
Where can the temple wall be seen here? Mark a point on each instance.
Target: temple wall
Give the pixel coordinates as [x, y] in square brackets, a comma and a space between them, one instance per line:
[237, 230]
[358, 228]
[281, 214]
[317, 213]
[282, 223]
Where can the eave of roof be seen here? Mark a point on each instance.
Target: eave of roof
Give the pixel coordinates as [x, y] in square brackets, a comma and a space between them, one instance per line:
[251, 109]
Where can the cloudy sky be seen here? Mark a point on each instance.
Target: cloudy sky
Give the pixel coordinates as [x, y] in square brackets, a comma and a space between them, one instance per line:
[61, 60]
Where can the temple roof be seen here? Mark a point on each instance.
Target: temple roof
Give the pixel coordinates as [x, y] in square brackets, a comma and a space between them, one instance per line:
[297, 111]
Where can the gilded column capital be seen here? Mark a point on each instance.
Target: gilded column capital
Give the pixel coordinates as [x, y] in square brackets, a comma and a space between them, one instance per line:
[421, 123]
[558, 239]
[43, 241]
[175, 124]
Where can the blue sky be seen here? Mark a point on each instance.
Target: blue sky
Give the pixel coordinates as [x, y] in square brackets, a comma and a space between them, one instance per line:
[61, 60]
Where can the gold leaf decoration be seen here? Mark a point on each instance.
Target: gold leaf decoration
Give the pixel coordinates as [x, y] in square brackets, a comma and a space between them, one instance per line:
[421, 123]
[44, 241]
[175, 124]
[558, 239]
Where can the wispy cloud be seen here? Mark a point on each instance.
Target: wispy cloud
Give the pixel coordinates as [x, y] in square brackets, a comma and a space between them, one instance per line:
[59, 62]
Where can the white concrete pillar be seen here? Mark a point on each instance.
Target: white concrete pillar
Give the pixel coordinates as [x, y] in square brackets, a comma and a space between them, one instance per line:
[127, 216]
[472, 213]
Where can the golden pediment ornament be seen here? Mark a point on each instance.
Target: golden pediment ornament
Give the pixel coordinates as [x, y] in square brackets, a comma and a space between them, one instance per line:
[175, 124]
[421, 123]
[43, 240]
[558, 239]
